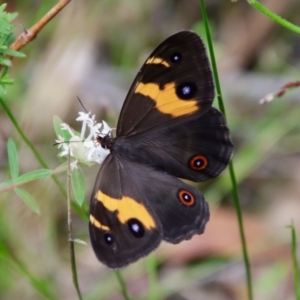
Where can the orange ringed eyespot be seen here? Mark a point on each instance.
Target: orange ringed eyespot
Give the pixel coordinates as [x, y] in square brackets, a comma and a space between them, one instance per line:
[186, 198]
[198, 162]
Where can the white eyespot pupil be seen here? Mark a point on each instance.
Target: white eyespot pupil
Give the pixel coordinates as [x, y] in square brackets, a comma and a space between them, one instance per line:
[108, 239]
[186, 90]
[135, 227]
[198, 163]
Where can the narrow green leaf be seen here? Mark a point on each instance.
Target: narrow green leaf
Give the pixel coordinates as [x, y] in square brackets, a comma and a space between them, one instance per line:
[12, 16]
[4, 72]
[5, 184]
[59, 131]
[2, 7]
[4, 37]
[78, 185]
[5, 26]
[13, 53]
[79, 241]
[28, 200]
[57, 125]
[13, 159]
[7, 80]
[37, 174]
[5, 62]
[3, 88]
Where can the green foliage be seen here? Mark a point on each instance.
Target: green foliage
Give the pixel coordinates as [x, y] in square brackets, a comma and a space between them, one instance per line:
[296, 265]
[6, 38]
[65, 134]
[78, 185]
[19, 180]
[28, 199]
[13, 159]
[292, 27]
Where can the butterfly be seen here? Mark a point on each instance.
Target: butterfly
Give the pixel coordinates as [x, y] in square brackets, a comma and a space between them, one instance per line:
[167, 130]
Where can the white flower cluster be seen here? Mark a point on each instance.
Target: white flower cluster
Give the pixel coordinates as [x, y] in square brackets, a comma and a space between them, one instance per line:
[84, 149]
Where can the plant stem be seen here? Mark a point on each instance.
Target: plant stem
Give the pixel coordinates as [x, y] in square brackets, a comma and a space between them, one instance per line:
[70, 232]
[273, 16]
[123, 285]
[30, 34]
[295, 262]
[231, 168]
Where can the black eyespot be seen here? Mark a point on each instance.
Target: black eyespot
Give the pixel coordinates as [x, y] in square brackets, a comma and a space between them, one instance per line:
[186, 90]
[176, 57]
[186, 198]
[108, 239]
[136, 228]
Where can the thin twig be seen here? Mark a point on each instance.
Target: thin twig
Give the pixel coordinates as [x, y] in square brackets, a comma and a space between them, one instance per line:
[287, 87]
[30, 34]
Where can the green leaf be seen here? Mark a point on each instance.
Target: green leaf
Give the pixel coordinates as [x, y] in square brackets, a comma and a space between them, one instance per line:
[3, 88]
[37, 174]
[79, 241]
[6, 80]
[13, 159]
[12, 16]
[4, 28]
[59, 131]
[28, 200]
[2, 7]
[13, 53]
[4, 72]
[5, 184]
[78, 185]
[5, 62]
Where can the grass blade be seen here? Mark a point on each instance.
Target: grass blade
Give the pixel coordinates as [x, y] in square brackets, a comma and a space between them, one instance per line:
[274, 17]
[123, 285]
[295, 262]
[231, 168]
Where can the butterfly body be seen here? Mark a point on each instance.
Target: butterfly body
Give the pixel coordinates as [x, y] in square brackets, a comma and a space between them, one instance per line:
[167, 130]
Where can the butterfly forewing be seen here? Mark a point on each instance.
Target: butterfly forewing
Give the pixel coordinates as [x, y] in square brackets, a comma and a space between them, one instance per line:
[174, 83]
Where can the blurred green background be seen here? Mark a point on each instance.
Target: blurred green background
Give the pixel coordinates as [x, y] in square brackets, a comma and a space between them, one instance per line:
[93, 49]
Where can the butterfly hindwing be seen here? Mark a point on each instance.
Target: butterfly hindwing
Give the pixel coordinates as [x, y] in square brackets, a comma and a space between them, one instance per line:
[197, 150]
[130, 215]
[174, 83]
[122, 229]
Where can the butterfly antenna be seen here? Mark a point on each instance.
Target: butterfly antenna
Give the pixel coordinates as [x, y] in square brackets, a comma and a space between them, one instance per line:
[82, 105]
[86, 110]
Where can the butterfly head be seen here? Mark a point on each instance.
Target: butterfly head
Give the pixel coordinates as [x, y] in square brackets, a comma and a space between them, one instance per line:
[106, 141]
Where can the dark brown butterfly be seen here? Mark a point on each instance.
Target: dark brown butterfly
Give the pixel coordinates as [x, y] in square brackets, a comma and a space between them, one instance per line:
[167, 129]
